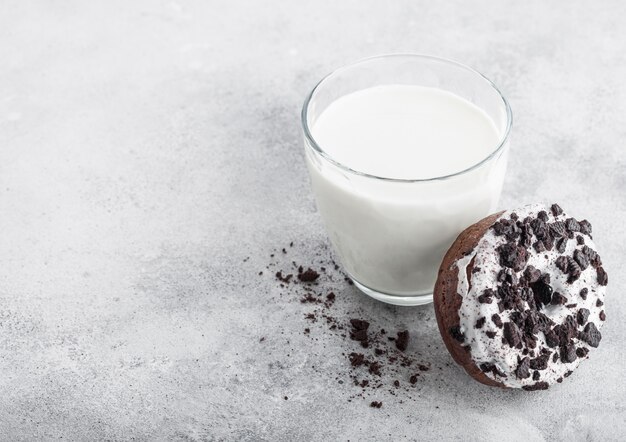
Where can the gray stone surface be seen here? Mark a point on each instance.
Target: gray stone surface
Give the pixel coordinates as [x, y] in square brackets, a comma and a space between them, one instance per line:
[148, 148]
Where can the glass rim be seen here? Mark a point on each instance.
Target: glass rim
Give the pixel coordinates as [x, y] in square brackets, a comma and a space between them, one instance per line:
[311, 140]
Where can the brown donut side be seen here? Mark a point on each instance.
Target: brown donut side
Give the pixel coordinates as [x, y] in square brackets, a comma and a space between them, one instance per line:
[447, 301]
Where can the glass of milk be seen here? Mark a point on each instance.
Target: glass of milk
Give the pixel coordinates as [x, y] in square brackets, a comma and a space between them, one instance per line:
[404, 152]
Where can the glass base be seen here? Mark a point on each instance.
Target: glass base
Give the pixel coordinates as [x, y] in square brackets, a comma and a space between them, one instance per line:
[404, 300]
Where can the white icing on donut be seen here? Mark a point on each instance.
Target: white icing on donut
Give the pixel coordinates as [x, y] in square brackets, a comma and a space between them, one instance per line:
[487, 261]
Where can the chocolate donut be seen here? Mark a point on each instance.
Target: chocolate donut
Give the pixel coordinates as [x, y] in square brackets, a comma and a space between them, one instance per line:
[519, 297]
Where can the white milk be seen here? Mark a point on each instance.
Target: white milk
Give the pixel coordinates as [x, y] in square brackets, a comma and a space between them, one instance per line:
[391, 236]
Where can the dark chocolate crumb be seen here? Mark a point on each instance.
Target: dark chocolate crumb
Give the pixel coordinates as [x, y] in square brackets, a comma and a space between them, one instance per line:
[603, 278]
[522, 370]
[582, 316]
[573, 269]
[548, 242]
[536, 375]
[487, 367]
[532, 274]
[376, 404]
[536, 386]
[581, 352]
[580, 240]
[602, 316]
[540, 362]
[490, 334]
[375, 368]
[402, 340]
[581, 259]
[540, 227]
[561, 245]
[283, 278]
[591, 335]
[573, 305]
[556, 209]
[357, 359]
[567, 330]
[557, 229]
[495, 318]
[359, 324]
[552, 340]
[542, 293]
[507, 275]
[568, 353]
[572, 225]
[396, 383]
[507, 228]
[583, 293]
[558, 299]
[544, 322]
[456, 333]
[361, 337]
[585, 227]
[486, 297]
[512, 334]
[531, 324]
[599, 303]
[413, 379]
[309, 275]
[480, 322]
[513, 256]
[594, 258]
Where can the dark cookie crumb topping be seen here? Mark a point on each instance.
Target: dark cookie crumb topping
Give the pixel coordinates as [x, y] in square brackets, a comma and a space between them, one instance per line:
[536, 386]
[526, 291]
[523, 368]
[495, 318]
[603, 279]
[456, 333]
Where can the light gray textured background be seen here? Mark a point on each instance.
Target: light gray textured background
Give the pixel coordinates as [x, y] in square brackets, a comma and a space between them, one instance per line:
[148, 148]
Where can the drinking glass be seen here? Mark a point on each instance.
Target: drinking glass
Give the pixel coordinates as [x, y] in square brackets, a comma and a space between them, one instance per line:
[391, 234]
